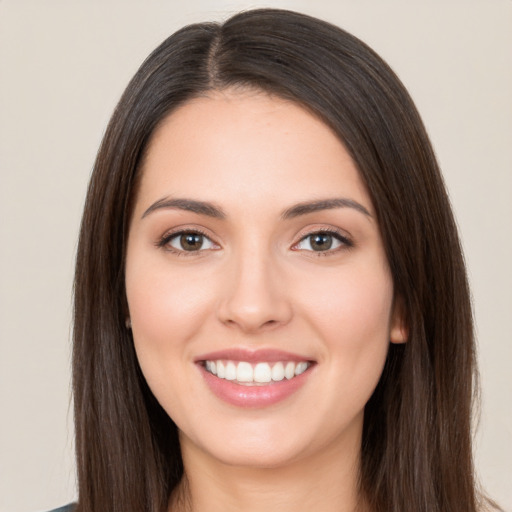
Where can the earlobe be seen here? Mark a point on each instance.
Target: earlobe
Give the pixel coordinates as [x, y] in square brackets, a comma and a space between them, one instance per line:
[399, 331]
[398, 334]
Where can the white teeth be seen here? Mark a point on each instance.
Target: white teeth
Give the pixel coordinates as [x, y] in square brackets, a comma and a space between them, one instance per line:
[278, 372]
[261, 373]
[289, 370]
[301, 368]
[231, 371]
[244, 372]
[221, 370]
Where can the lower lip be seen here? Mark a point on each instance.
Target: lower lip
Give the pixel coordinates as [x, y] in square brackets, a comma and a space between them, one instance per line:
[260, 395]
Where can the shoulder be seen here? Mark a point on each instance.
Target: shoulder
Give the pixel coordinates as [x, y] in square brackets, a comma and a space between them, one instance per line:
[65, 508]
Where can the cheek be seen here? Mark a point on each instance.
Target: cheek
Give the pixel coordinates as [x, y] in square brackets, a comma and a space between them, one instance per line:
[353, 301]
[351, 313]
[353, 320]
[167, 308]
[165, 304]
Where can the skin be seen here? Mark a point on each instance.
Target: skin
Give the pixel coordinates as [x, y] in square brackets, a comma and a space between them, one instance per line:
[255, 282]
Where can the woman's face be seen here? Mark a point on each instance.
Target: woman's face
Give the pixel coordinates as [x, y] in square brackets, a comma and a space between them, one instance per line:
[260, 297]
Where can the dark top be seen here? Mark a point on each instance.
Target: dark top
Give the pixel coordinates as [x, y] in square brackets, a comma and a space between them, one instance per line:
[65, 508]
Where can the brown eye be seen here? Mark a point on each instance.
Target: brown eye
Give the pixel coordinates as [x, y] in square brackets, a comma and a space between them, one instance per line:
[189, 241]
[323, 241]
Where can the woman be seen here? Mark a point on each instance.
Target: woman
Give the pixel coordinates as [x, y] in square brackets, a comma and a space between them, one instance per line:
[271, 307]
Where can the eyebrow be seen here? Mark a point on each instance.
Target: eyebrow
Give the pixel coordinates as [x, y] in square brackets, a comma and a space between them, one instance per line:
[211, 210]
[323, 204]
[190, 205]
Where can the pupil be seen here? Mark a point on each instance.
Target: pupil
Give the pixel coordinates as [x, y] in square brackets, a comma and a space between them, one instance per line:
[191, 241]
[321, 242]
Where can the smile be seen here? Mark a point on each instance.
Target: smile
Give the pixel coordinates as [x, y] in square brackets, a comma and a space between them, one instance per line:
[255, 378]
[245, 373]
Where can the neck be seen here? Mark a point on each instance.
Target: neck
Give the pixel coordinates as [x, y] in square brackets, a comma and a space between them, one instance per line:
[327, 482]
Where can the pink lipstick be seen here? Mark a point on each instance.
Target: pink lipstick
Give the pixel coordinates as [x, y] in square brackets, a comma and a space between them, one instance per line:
[259, 378]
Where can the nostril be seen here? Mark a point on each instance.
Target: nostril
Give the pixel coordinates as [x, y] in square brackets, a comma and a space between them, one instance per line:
[253, 305]
[248, 326]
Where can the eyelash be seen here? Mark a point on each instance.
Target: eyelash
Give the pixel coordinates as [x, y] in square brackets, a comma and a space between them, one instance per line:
[165, 240]
[346, 243]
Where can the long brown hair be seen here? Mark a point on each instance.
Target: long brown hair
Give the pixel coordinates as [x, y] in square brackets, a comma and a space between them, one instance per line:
[416, 451]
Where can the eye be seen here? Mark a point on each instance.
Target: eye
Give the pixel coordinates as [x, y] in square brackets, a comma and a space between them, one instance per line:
[187, 241]
[322, 241]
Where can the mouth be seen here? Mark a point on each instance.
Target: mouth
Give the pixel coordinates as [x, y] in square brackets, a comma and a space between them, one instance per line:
[256, 379]
[255, 374]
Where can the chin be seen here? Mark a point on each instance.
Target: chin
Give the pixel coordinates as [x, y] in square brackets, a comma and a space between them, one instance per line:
[257, 457]
[276, 444]
[249, 444]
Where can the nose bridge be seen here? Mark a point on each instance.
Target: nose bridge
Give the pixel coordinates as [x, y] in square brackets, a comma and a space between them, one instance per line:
[254, 297]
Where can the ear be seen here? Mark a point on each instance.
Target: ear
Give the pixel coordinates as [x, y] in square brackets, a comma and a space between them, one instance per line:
[398, 330]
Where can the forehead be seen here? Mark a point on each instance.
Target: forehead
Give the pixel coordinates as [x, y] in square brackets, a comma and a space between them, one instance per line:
[247, 146]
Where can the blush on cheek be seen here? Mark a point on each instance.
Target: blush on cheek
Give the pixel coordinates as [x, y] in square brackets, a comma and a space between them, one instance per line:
[166, 305]
[359, 307]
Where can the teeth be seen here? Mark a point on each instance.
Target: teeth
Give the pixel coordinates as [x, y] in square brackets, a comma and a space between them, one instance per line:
[221, 370]
[289, 370]
[278, 372]
[231, 373]
[301, 368]
[261, 373]
[244, 372]
[211, 367]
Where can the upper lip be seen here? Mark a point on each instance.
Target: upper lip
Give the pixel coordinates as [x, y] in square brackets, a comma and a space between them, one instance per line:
[268, 355]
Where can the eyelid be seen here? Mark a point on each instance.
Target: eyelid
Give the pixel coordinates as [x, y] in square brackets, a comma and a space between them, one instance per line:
[342, 236]
[163, 241]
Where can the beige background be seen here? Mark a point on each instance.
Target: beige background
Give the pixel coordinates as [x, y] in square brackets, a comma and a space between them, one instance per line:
[64, 64]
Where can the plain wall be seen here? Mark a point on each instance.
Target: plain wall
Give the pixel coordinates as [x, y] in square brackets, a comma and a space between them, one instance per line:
[63, 66]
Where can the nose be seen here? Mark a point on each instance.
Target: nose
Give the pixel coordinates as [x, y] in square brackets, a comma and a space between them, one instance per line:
[254, 298]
